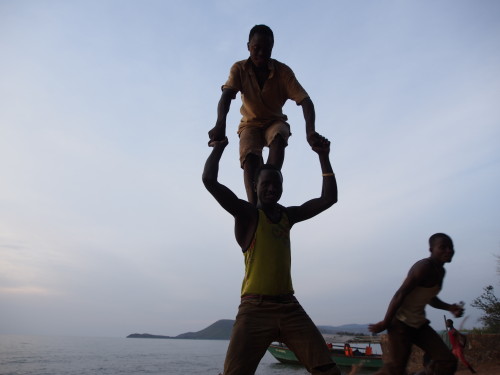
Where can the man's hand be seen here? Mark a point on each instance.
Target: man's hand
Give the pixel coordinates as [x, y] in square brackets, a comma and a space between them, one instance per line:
[313, 138]
[321, 145]
[377, 327]
[222, 143]
[217, 133]
[457, 310]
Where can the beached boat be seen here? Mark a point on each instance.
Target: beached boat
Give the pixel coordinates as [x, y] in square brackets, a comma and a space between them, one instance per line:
[341, 354]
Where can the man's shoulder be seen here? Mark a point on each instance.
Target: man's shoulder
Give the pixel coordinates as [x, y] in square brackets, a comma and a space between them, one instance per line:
[420, 267]
[278, 65]
[241, 64]
[423, 261]
[287, 214]
[420, 263]
[283, 209]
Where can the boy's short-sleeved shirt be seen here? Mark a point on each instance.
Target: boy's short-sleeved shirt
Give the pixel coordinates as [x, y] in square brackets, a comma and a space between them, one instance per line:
[263, 107]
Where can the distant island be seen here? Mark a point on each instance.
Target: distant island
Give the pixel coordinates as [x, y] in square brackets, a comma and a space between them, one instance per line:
[221, 330]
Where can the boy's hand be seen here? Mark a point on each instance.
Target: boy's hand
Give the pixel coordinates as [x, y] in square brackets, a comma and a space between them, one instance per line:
[321, 145]
[217, 133]
[313, 138]
[223, 143]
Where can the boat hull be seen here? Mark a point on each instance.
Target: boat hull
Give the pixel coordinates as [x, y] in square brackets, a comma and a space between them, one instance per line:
[285, 355]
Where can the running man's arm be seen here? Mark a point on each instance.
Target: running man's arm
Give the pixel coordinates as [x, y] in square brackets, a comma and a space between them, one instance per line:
[328, 192]
[413, 279]
[455, 309]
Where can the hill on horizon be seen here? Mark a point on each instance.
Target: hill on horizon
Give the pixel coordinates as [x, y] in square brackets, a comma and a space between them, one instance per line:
[221, 330]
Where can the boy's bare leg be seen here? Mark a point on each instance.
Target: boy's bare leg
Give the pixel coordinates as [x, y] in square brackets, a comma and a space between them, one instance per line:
[252, 162]
[277, 152]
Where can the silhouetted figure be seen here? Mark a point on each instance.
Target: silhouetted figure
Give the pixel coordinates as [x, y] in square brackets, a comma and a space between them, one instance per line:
[269, 310]
[405, 319]
[265, 85]
[457, 341]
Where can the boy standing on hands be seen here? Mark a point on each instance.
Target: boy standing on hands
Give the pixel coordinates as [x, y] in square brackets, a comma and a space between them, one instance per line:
[265, 85]
[405, 319]
[269, 310]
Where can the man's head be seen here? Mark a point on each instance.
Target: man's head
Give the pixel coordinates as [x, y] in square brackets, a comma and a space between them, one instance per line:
[260, 45]
[268, 184]
[441, 247]
[449, 323]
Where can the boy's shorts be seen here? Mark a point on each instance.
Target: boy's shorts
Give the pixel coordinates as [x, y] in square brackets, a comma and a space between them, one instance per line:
[254, 138]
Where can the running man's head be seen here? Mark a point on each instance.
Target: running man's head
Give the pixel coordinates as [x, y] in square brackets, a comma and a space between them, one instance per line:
[449, 323]
[260, 45]
[441, 247]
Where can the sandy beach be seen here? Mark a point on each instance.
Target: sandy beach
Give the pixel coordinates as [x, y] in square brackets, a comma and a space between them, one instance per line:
[482, 369]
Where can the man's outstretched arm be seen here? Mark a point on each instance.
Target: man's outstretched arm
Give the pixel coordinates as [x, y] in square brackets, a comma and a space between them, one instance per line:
[218, 132]
[226, 198]
[418, 272]
[329, 188]
[310, 118]
[456, 309]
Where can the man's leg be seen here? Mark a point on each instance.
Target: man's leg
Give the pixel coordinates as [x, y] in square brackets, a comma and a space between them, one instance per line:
[443, 361]
[301, 335]
[399, 335]
[254, 330]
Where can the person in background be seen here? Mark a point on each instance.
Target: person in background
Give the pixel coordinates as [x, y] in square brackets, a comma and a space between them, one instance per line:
[405, 320]
[457, 342]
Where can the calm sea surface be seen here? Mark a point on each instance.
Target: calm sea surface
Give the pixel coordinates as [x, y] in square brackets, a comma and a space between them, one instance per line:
[47, 355]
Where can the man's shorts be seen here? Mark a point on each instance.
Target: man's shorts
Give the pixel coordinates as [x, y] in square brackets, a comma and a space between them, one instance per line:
[254, 138]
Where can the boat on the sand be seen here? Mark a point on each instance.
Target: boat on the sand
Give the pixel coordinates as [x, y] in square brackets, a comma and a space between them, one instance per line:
[343, 355]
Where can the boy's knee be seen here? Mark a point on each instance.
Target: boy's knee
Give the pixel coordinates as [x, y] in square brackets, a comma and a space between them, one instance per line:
[251, 161]
[278, 141]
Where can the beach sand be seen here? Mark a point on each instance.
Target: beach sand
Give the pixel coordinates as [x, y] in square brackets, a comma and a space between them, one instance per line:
[482, 369]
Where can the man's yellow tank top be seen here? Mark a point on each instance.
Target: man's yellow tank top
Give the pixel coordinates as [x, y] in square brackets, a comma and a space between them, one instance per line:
[412, 311]
[268, 259]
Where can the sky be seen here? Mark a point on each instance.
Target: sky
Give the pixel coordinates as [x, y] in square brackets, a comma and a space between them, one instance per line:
[105, 226]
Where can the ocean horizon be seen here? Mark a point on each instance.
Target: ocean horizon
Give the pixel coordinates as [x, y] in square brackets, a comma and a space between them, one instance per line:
[61, 355]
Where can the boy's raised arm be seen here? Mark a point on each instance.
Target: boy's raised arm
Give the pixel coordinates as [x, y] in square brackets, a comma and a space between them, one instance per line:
[329, 188]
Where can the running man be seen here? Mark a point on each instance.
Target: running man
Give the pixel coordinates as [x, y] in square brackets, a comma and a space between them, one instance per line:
[405, 319]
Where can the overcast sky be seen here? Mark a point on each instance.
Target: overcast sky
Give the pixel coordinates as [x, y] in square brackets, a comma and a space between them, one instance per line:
[105, 226]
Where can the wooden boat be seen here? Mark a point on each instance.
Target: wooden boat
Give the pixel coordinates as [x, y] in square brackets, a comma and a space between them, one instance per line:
[358, 356]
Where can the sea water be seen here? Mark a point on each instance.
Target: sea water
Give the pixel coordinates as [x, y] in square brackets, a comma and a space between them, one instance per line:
[51, 355]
